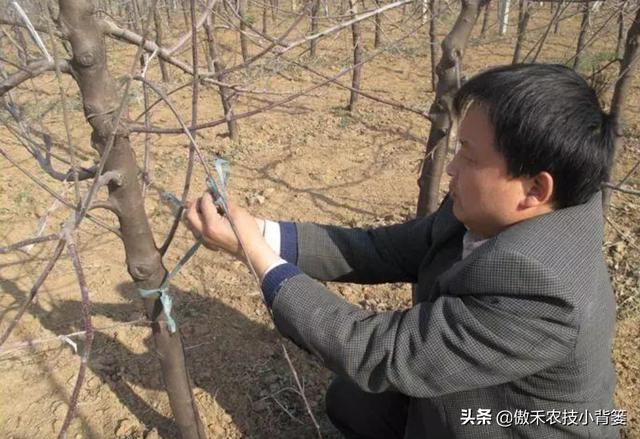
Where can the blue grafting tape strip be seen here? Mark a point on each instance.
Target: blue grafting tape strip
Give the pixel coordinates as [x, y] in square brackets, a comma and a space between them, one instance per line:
[219, 188]
[167, 304]
[163, 292]
[219, 191]
[175, 202]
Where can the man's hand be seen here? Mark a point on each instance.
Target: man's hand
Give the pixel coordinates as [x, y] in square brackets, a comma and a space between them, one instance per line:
[204, 220]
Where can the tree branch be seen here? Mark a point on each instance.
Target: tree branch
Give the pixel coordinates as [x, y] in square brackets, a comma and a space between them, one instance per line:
[31, 71]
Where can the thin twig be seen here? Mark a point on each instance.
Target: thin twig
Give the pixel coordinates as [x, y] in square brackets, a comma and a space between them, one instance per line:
[621, 188]
[62, 338]
[55, 195]
[301, 390]
[34, 289]
[88, 328]
[27, 242]
[65, 120]
[194, 121]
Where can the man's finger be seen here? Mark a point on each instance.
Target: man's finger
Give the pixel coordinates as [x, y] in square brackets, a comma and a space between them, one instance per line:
[185, 208]
[193, 220]
[208, 209]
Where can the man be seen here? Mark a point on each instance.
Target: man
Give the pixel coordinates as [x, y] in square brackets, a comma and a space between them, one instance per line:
[513, 317]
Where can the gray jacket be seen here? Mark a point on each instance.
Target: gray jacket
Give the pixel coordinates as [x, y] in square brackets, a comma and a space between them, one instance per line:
[525, 322]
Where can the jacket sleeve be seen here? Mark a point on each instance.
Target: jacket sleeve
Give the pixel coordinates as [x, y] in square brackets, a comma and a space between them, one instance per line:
[458, 342]
[384, 254]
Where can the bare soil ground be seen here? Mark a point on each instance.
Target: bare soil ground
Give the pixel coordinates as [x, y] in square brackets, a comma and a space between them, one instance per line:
[308, 160]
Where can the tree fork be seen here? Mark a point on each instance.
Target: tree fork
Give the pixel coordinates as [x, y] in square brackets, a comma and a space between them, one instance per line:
[449, 73]
[144, 263]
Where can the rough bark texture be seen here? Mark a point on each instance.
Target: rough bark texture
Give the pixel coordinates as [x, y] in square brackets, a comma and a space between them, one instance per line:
[523, 20]
[100, 102]
[453, 47]
[628, 67]
[584, 27]
[357, 57]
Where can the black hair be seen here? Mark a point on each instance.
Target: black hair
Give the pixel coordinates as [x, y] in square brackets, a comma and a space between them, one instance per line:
[546, 118]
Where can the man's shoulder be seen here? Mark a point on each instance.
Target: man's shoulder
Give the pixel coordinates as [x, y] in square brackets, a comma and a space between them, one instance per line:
[565, 237]
[559, 251]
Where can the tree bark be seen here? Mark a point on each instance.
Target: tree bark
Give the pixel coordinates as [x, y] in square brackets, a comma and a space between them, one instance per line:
[485, 19]
[620, 40]
[628, 66]
[225, 92]
[377, 38]
[243, 28]
[523, 20]
[100, 101]
[315, 9]
[433, 43]
[448, 70]
[357, 57]
[163, 65]
[265, 14]
[584, 27]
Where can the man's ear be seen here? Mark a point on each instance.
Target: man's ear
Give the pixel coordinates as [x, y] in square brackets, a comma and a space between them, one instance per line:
[539, 190]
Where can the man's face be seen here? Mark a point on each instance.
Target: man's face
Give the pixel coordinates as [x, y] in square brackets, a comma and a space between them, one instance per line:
[485, 198]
